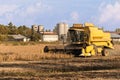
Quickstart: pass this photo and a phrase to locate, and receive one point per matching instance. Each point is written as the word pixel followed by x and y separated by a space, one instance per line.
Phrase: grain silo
pixel 40 28
pixel 65 28
pixel 34 27
pixel 62 29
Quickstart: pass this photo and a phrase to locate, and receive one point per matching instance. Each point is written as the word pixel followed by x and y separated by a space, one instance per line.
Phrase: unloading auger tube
pixel 85 40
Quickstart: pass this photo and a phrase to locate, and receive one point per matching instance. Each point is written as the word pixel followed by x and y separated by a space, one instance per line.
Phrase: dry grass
pixel 34 53
pixel 28 62
pixel 27 53
pixel 117 49
pixel 92 68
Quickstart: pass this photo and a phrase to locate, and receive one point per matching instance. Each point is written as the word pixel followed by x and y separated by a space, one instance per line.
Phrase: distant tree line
pixel 11 29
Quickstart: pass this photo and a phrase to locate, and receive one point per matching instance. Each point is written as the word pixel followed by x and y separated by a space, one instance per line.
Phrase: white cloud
pixel 21 13
pixel 7 9
pixel 36 8
pixel 32 9
pixel 110 12
pixel 74 16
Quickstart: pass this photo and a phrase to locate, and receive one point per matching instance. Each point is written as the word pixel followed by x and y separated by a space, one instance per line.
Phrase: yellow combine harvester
pixel 85 40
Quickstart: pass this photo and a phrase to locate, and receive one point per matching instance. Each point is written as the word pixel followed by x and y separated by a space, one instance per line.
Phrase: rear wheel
pixel 105 52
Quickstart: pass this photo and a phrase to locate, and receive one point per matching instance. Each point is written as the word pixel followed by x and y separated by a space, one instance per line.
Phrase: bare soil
pixel 73 68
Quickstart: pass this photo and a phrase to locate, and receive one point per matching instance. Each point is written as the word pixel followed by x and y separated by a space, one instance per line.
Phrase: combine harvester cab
pixel 85 40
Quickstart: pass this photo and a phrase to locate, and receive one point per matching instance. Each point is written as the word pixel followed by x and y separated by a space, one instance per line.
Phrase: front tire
pixel 105 52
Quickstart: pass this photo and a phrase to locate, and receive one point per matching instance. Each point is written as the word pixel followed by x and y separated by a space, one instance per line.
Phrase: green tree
pixel 24 31
pixel 12 28
pixel 3 29
pixel 3 37
pixel 35 36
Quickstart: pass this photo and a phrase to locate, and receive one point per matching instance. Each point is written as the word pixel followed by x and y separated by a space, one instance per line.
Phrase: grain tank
pixel 85 40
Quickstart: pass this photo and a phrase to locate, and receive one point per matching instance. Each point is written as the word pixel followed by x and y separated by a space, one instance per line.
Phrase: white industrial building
pixel 60 33
pixel 49 37
pixel 115 37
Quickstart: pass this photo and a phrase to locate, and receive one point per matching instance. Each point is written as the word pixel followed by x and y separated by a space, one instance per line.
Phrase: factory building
pixel 60 33
pixel 115 37
pixel 45 36
pixel 49 37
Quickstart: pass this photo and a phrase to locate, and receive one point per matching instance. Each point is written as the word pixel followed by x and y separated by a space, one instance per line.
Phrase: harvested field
pixel 55 66
pixel 27 53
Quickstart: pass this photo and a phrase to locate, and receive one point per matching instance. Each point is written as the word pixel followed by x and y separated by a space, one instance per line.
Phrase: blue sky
pixel 103 13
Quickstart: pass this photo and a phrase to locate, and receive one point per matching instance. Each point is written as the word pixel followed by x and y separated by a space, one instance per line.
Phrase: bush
pixel 15 43
pixel 3 37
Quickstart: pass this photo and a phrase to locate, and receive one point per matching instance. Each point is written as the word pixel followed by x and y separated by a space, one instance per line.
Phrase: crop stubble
pixel 56 66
